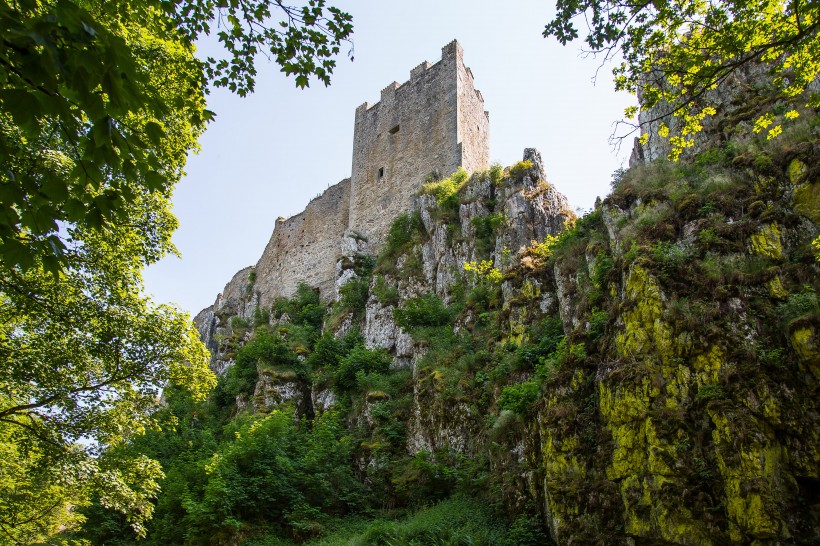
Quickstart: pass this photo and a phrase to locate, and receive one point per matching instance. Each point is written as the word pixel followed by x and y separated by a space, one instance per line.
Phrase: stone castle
pixel 425 127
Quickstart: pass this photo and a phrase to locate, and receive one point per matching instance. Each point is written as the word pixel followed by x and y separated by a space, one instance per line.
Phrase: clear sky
pixel 268 154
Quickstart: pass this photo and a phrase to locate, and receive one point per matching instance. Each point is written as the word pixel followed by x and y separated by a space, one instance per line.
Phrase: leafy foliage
pixel 663 43
pixel 277 471
pixel 304 308
pixel 427 310
pixel 359 361
pixel 100 102
pixel 519 169
pixel 520 398
pixel 405 230
pixel 86 356
pixel 483 271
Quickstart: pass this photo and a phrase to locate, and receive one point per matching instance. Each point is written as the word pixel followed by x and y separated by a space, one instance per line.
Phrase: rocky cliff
pixel 646 374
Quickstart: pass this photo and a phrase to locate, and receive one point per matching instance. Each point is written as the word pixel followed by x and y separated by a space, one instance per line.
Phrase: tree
pixel 673 52
pixel 100 103
pixel 85 357
pixel 78 78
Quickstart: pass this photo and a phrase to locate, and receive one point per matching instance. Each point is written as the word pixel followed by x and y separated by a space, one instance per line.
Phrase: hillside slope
pixel 646 374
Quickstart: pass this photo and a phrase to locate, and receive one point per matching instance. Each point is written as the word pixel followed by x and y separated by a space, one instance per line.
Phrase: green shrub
pixel 603 265
pixel 327 351
pixel 497 174
pixel 265 350
pixel 353 297
pixel 547 336
pixel 521 397
pixel 446 191
pixel 427 310
pixel 406 230
pixel 429 477
pixel 304 307
pixel 526 530
pixel 360 360
pixel 708 392
pixel 386 294
pixel 519 169
pixel 672 257
pixel 239 323
pixel 771 357
pixel 797 305
pixel 617 177
pixel 598 320
pixel 277 472
pixel 363 265
pixel 261 316
pixel 485 229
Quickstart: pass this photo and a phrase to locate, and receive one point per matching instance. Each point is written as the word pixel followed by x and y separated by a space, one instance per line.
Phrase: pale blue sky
pixel 268 154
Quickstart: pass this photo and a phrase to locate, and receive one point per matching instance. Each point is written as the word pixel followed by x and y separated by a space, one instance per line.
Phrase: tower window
pixel 380 173
pixel 394 130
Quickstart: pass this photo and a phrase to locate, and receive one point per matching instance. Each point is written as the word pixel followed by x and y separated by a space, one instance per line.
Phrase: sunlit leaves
pixel 675 52
pixel 304 44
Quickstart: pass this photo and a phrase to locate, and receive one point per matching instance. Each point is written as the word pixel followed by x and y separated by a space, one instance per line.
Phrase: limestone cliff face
pixel 237 301
pixel 645 375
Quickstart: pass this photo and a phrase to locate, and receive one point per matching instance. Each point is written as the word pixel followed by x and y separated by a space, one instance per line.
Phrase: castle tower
pixel 426 127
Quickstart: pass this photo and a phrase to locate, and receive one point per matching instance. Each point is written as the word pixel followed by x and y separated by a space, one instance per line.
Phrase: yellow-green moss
pixel 677 379
pixel 797 171
pixel 749 474
pixel 776 289
pixel 806 344
pixel 644 331
pixel 708 365
pixel 766 241
pixel 279 376
pixel 807 201
pixel 626 402
pixel 648 514
pixel 659 451
pixel 376 396
pixel 629 450
pixel 529 290
pixel 577 380
pixel 519 331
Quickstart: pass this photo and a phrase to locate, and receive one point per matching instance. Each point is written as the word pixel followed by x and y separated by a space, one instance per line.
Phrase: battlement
pixel 449 53
pixel 417 72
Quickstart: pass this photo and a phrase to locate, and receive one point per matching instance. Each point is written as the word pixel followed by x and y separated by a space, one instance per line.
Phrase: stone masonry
pixel 426 127
pixel 305 247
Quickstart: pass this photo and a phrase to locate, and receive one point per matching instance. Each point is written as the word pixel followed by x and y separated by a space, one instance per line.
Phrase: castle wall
pixel 414 133
pixel 305 247
pixel 473 123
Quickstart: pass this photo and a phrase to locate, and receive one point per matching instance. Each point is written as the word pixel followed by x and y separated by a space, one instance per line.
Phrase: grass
pixel 455 521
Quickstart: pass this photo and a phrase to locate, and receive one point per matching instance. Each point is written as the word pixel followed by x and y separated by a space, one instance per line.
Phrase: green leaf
pixel 155 132
pixel 155 181
pixel 23 107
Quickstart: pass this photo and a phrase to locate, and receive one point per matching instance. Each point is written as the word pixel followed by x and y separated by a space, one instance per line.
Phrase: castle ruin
pixel 426 127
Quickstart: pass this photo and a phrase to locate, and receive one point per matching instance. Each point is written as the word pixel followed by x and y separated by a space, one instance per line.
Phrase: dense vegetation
pixel 283 472
pixel 100 104
pixel 682 350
